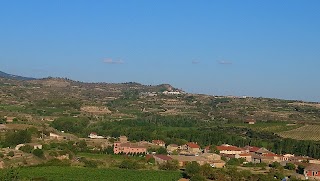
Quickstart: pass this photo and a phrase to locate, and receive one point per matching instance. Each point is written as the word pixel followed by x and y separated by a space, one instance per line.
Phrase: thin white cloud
pixel 111 61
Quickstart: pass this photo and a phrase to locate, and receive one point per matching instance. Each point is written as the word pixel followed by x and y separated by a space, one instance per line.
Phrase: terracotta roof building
pixel 251 149
pixel 229 149
pixel 160 159
pixel 129 148
pixel 193 147
pixel 158 142
pixel 312 170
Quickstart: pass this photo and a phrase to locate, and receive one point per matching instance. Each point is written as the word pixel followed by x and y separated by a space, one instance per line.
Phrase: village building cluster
pixel 192 152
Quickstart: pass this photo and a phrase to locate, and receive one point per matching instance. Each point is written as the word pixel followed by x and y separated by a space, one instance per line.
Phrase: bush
pixel 38 152
pixel 88 163
pixel 169 165
pixel 128 164
pixel 57 162
pixel 198 178
pixel 235 161
pixel 300 169
pixel 276 165
pixel 290 166
pixel 11 154
pixel 250 164
pixel 53 153
pixel 26 148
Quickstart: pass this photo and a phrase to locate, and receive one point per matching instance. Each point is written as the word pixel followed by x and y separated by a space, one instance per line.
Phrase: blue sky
pixel 255 48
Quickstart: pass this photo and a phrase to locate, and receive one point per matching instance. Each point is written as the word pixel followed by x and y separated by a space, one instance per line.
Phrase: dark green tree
pixel 18 137
pixel 192 169
pixel 290 166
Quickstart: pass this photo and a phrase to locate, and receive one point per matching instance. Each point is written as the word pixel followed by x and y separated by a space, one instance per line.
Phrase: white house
pixel 94 135
pixel 55 136
pixel 171 93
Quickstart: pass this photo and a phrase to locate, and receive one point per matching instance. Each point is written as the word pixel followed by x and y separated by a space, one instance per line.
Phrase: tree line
pixel 179 130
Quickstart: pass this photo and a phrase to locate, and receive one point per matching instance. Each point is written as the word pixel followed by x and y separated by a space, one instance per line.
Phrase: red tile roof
pixel 251 148
pixel 313 167
pixel 270 155
pixel 193 145
pixel 228 148
pixel 254 149
pixel 244 154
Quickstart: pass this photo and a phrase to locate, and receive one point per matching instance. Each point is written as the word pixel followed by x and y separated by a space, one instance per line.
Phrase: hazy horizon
pixel 252 48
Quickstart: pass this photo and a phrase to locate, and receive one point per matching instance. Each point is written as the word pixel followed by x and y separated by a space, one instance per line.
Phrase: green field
pixel 87 174
pixel 307 132
pixel 274 127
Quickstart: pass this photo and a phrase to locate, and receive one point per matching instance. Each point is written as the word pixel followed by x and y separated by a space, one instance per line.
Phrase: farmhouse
pixel 270 157
pixel 183 160
pixel 33 145
pixel 217 163
pixel 206 149
pixel 94 135
pixel 172 147
pixel 313 171
pixel 159 143
pixel 286 157
pixel 245 156
pixel 9 119
pixel 229 149
pixel 55 136
pixel 262 151
pixel 160 159
pixel 251 149
pixel 129 148
pixel 193 147
pixel 211 156
pixel 171 93
pixel 250 121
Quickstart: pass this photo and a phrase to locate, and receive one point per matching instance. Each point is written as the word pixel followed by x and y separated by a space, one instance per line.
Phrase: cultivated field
pixel 87 174
pixel 307 132
pixel 275 127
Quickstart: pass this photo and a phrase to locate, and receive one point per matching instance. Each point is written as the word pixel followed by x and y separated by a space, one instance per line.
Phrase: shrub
pixel 26 148
pixel 57 162
pixel 276 165
pixel 128 164
pixel 11 154
pixel 198 178
pixel 169 165
pixel 290 166
pixel 38 152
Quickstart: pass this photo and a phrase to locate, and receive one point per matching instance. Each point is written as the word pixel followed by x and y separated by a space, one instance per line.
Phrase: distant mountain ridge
pixel 15 77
